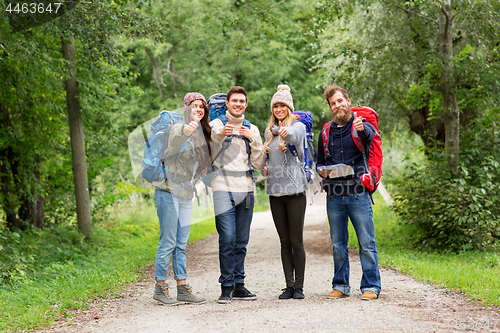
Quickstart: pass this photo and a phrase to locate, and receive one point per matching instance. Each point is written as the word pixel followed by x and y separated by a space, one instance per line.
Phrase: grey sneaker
pixel 161 295
pixel 184 294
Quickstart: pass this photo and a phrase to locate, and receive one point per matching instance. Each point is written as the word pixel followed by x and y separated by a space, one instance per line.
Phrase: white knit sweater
pixel 236 157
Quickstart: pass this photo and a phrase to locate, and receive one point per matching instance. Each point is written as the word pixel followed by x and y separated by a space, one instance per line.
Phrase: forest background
pixel 429 68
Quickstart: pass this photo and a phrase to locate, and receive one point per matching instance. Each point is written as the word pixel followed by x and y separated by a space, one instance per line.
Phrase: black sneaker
pixel 227 294
pixel 287 293
pixel 242 293
pixel 298 293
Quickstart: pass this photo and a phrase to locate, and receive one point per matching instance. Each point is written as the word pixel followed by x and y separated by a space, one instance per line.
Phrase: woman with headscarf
pixel 188 142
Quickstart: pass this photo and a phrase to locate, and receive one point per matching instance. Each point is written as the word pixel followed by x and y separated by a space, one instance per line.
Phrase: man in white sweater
pixel 233 188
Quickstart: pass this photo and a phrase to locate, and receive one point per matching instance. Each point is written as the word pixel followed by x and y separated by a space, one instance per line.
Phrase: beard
pixel 342 115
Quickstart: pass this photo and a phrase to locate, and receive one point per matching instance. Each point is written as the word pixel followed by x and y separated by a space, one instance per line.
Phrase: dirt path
pixel 404 304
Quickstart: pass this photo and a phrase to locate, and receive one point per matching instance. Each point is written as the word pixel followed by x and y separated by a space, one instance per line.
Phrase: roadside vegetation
pixel 64 272
pixel 472 272
pixel 50 278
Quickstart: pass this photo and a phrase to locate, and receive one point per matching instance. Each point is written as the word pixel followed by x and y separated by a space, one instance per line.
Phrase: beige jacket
pixel 235 156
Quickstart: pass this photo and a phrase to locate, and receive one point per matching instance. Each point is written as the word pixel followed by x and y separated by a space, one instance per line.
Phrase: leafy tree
pixel 425 61
pixel 433 65
pixel 33 72
pixel 255 44
pixel 30 107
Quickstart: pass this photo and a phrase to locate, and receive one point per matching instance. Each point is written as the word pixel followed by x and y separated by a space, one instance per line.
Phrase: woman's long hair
pixel 197 137
pixel 287 122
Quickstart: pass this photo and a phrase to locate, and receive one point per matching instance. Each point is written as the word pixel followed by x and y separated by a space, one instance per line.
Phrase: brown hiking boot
pixel 336 294
pixel 369 295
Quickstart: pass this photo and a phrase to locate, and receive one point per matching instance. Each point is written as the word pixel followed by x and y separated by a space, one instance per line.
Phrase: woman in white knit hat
pixel 286 186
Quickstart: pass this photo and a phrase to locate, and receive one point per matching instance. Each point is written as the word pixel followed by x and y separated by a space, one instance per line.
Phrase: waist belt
pixel 180 185
pixel 250 173
pixel 342 182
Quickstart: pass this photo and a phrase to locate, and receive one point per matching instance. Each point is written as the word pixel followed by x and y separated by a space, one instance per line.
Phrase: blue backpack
pixel 153 162
pixel 306 118
pixel 217 106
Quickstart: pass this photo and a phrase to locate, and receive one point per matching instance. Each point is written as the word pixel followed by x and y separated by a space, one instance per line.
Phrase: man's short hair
pixel 331 90
pixel 236 90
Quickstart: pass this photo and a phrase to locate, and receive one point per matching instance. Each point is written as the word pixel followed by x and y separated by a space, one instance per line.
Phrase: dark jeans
pixel 288 215
pixel 232 220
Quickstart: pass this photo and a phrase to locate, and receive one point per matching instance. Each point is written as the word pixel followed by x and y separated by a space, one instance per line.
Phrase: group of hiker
pixel 225 152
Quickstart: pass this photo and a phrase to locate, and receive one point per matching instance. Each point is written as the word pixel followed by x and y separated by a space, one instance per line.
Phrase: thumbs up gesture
pixel 228 129
pixel 358 123
pixel 190 128
pixel 282 131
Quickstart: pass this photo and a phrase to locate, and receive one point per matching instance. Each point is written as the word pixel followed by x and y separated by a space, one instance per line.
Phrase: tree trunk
pixel 431 131
pixel 8 204
pixel 32 208
pixel 451 115
pixel 175 81
pixel 77 141
pixel 155 71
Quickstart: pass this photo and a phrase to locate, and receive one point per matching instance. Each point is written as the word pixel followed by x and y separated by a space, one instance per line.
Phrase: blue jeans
pixel 358 209
pixel 174 214
pixel 232 220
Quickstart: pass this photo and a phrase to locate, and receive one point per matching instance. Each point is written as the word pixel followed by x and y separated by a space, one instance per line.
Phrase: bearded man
pixel 347 198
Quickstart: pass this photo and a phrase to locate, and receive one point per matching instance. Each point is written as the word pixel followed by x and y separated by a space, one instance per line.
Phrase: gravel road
pixel 404 304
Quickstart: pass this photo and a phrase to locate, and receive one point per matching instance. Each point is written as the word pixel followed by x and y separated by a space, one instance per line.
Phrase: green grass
pixel 477 274
pixel 261 201
pixel 122 248
pixel 202 229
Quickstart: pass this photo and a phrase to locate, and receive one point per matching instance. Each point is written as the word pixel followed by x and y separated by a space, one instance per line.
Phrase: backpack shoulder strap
pixel 325 132
pixel 223 118
pixel 360 146
pixel 292 148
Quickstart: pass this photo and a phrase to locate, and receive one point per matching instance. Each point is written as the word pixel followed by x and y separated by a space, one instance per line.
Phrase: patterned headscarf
pixel 191 97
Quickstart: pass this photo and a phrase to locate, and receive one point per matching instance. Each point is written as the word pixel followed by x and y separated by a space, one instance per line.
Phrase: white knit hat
pixel 284 96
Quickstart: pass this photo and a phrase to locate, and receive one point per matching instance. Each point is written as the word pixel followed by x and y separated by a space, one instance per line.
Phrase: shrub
pixel 444 212
pixel 448 212
pixel 457 210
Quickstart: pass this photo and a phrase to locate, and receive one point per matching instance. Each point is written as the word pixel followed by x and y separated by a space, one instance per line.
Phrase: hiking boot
pixel 227 294
pixel 298 293
pixel 287 293
pixel 336 294
pixel 161 295
pixel 242 293
pixel 184 294
pixel 369 295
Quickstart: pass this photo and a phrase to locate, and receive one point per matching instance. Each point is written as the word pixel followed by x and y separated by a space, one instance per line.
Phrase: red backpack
pixel 373 163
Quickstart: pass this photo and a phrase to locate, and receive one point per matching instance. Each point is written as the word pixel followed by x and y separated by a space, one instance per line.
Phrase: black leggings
pixel 288 214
